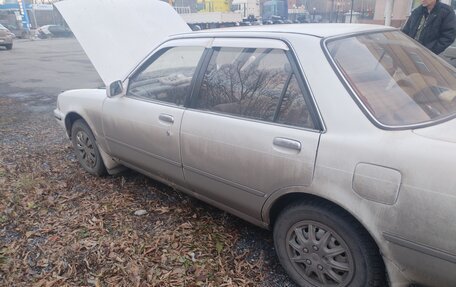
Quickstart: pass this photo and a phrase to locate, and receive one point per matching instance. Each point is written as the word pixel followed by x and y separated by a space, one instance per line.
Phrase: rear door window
pixel 293 107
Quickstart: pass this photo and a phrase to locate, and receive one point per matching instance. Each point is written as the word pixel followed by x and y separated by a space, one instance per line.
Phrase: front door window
pixel 168 78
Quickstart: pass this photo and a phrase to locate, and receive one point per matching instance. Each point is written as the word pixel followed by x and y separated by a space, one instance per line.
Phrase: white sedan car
pixel 339 138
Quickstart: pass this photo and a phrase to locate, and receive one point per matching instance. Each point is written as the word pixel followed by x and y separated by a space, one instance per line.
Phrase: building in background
pixel 396 12
pixel 246 7
pixel 215 5
pixel 274 9
pixel 22 15
pixel 13 16
pixel 400 11
pixel 42 12
pixel 331 10
pixel 184 6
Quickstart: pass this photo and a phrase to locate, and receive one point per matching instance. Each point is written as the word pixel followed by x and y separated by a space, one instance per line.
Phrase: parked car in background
pixel 53 31
pixel 339 138
pixel 6 37
pixel 18 31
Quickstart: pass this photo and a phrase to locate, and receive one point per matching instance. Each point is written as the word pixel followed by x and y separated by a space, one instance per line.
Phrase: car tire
pixel 9 46
pixel 86 149
pixel 320 245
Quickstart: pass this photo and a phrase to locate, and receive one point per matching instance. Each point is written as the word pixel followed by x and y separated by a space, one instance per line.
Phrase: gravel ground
pixel 60 226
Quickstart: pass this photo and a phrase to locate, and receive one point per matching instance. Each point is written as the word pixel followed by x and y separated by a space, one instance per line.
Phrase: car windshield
pixel 399 82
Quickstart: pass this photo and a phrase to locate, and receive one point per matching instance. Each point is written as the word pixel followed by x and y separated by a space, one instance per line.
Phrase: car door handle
pixel 166 118
pixel 287 143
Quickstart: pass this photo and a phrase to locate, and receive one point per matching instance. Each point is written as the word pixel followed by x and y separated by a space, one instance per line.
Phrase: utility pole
pixel 337 12
pixel 351 11
pixel 332 12
pixel 34 16
pixel 388 12
pixel 25 18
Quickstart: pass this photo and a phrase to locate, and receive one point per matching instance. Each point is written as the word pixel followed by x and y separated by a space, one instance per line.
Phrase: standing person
pixel 433 24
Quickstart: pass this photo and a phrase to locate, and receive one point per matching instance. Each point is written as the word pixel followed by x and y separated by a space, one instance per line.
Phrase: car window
pixel 293 108
pixel 245 82
pixel 168 78
pixel 398 81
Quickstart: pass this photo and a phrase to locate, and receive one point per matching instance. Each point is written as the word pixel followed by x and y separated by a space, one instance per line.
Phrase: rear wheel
pixel 322 246
pixel 86 148
pixel 9 46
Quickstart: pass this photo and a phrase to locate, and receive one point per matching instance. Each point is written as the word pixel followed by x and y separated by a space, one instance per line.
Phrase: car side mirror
pixel 115 88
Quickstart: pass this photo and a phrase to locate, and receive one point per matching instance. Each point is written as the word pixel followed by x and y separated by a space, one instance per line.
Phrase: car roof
pixel 317 30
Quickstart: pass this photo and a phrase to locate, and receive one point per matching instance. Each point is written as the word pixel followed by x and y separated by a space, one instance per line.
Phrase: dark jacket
pixel 439 31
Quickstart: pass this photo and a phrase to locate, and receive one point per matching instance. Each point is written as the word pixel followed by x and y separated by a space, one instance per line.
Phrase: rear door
pixel 142 127
pixel 251 128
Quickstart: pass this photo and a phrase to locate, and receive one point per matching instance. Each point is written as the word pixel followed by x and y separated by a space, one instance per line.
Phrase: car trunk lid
pixel 117 34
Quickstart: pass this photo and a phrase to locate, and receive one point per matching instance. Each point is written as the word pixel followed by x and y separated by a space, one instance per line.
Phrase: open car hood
pixel 117 34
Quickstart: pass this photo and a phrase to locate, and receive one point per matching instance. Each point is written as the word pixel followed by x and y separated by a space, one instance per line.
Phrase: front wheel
pixel 9 46
pixel 322 246
pixel 86 148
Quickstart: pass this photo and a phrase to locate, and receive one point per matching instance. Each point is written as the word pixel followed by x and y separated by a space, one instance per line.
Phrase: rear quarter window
pixel 398 82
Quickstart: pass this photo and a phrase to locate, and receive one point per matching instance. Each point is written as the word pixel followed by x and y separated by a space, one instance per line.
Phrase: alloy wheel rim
pixel 86 149
pixel 319 254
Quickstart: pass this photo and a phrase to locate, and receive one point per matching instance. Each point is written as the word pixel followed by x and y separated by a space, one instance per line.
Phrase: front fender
pixel 86 104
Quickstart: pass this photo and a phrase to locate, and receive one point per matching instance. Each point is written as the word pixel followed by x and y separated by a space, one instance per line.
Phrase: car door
pixel 251 128
pixel 142 127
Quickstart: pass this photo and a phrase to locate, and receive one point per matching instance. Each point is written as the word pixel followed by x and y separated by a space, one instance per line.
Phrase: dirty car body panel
pixel 267 121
